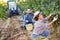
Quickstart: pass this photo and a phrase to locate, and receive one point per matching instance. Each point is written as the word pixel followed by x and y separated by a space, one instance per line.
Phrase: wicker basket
pixel 29 27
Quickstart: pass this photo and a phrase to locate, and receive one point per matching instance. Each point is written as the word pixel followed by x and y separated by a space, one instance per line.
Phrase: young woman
pixel 40 27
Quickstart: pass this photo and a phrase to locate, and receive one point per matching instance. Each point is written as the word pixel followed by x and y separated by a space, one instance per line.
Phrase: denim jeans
pixel 45 33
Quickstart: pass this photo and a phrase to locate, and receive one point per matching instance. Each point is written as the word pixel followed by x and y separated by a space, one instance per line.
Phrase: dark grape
pixel 54 14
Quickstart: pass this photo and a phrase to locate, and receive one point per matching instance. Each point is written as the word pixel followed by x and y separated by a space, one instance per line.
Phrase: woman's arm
pixel 49 24
pixel 49 16
pixel 55 18
pixel 46 18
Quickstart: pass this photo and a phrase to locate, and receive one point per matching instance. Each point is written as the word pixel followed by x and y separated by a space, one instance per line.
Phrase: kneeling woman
pixel 40 27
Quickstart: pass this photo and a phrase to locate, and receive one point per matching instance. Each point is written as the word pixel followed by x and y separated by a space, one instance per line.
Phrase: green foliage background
pixel 45 6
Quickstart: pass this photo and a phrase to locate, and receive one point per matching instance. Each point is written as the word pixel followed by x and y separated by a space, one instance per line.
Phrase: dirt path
pixel 12 28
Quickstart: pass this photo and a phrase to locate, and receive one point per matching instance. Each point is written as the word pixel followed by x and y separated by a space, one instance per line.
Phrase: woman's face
pixel 40 16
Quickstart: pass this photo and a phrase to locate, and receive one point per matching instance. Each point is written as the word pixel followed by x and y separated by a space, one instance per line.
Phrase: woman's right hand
pixel 55 18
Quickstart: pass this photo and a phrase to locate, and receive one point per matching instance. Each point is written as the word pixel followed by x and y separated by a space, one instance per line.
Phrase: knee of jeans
pixel 33 36
pixel 46 32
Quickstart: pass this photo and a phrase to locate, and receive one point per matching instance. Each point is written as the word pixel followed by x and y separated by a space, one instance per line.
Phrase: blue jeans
pixel 45 33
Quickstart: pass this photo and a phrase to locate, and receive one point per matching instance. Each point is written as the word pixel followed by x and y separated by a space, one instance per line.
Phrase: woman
pixel 40 27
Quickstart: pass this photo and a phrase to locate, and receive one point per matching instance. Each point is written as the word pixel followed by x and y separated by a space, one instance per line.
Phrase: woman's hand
pixel 55 18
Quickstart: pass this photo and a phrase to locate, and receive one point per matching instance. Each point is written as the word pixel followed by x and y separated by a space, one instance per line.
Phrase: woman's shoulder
pixel 36 22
